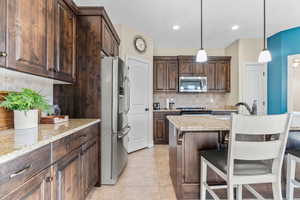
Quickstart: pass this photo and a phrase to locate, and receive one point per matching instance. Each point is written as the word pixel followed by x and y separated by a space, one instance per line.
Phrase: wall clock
pixel 140 44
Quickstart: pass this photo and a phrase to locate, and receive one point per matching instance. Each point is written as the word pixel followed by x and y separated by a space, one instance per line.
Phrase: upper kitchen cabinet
pixel 38 37
pixel 216 69
pixel 165 74
pixel 186 66
pixel 96 20
pixel 26 36
pixel 65 42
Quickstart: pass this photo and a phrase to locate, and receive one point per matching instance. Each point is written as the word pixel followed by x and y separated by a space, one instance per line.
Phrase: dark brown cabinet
pixel 161 126
pixel 66 169
pixel 29 36
pixel 109 44
pixel 38 38
pixel 90 164
pixel 68 177
pixel 37 188
pixel 65 42
pixel 216 69
pixel 165 74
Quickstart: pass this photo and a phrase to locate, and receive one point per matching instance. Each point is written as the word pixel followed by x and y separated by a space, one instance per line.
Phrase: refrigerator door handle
pixel 124 132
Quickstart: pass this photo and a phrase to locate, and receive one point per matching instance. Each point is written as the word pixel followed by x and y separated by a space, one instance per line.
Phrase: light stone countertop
pixel 14 143
pixel 205 123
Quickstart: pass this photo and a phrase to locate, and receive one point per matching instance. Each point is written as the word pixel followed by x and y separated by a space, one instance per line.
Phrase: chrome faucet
pixel 253 110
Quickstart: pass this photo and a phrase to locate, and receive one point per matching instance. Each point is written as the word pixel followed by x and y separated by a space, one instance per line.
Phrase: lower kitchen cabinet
pixel 66 169
pixel 37 188
pixel 67 176
pixel 161 126
pixel 90 164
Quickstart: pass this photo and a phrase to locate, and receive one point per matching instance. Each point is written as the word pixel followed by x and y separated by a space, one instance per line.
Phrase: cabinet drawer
pixel 16 172
pixel 67 144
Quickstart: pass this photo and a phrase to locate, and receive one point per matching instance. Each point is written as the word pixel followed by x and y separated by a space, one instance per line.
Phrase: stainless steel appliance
pixel 192 84
pixel 156 106
pixel 115 105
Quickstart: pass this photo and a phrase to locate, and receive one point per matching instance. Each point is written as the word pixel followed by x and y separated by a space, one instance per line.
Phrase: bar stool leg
pixel 230 191
pixel 291 168
pixel 203 179
pixel 277 190
pixel 239 191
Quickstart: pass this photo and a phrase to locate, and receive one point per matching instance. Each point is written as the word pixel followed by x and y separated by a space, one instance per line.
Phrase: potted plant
pixel 26 105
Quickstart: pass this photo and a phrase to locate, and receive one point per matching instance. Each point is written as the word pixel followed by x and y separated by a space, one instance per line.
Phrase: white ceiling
pixel 155 18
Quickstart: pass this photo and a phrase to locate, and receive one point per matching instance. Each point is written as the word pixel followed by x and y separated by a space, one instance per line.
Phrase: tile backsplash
pixel 192 100
pixel 15 81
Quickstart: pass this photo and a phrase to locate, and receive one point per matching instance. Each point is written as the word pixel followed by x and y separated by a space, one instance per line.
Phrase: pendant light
pixel 265 55
pixel 201 55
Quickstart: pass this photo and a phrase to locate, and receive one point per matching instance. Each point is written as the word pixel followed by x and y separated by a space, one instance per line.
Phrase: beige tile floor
pixel 145 178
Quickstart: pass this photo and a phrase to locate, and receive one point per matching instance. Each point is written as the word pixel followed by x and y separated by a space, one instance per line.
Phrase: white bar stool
pixel 293 157
pixel 247 161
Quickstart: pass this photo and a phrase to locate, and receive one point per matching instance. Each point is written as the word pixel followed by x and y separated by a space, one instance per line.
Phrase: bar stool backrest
pixel 273 149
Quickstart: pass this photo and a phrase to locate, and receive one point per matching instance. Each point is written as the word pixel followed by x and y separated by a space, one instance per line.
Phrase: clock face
pixel 140 44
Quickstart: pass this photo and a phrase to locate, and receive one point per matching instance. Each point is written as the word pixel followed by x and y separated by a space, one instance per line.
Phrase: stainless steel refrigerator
pixel 115 105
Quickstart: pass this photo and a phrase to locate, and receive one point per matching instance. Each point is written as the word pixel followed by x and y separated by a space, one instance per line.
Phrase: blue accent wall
pixel 281 45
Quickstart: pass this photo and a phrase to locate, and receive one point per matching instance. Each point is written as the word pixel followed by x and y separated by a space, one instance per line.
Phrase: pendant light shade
pixel 201 55
pixel 265 55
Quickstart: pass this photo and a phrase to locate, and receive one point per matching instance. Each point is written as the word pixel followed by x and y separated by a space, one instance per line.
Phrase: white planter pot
pixel 26 119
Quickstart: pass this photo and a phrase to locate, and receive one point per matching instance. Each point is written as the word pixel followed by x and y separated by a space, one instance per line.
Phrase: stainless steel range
pixel 194 111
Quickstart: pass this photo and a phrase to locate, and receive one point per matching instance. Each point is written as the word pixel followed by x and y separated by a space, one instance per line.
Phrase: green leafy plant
pixel 25 100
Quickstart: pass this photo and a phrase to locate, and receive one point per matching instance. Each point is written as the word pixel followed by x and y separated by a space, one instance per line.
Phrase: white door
pixel 256 86
pixel 139 104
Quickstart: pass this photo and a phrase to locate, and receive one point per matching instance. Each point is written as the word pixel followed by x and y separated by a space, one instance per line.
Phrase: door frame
pixel 150 100
pixel 290 69
pixel 243 83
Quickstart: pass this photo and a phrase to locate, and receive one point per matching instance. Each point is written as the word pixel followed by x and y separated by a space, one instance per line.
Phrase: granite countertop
pixel 205 123
pixel 167 110
pixel 223 108
pixel 14 143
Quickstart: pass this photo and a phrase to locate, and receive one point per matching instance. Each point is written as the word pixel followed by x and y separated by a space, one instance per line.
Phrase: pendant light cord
pixel 265 22
pixel 201 8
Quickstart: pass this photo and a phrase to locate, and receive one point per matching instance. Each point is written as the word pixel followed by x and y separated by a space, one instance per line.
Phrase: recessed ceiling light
pixel 235 27
pixel 176 27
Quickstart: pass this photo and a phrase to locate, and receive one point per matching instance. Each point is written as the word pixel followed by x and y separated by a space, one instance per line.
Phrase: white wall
pixel 243 51
pixel 15 81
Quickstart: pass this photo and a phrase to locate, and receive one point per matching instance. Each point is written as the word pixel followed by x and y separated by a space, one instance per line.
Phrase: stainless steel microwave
pixel 192 84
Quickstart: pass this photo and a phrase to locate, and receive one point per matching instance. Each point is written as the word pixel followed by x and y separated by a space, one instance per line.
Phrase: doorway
pixel 139 104
pixel 255 86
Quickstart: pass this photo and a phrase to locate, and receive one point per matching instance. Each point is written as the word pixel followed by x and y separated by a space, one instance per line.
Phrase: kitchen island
pixel 188 135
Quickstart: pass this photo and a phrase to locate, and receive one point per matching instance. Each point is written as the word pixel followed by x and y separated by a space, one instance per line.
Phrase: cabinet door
pixel 90 166
pixel 65 59
pixel 160 135
pixel 160 76
pixel 68 177
pixel 3 32
pixel 172 76
pixel 210 69
pixel 106 39
pixel 36 188
pixel 221 76
pixel 186 67
pixel 198 69
pixel 30 36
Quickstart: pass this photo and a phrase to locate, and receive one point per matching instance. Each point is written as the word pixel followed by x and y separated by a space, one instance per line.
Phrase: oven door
pixel 192 84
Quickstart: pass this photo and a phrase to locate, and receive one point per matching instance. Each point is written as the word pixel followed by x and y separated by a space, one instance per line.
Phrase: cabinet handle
pixel 3 54
pixel 20 171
